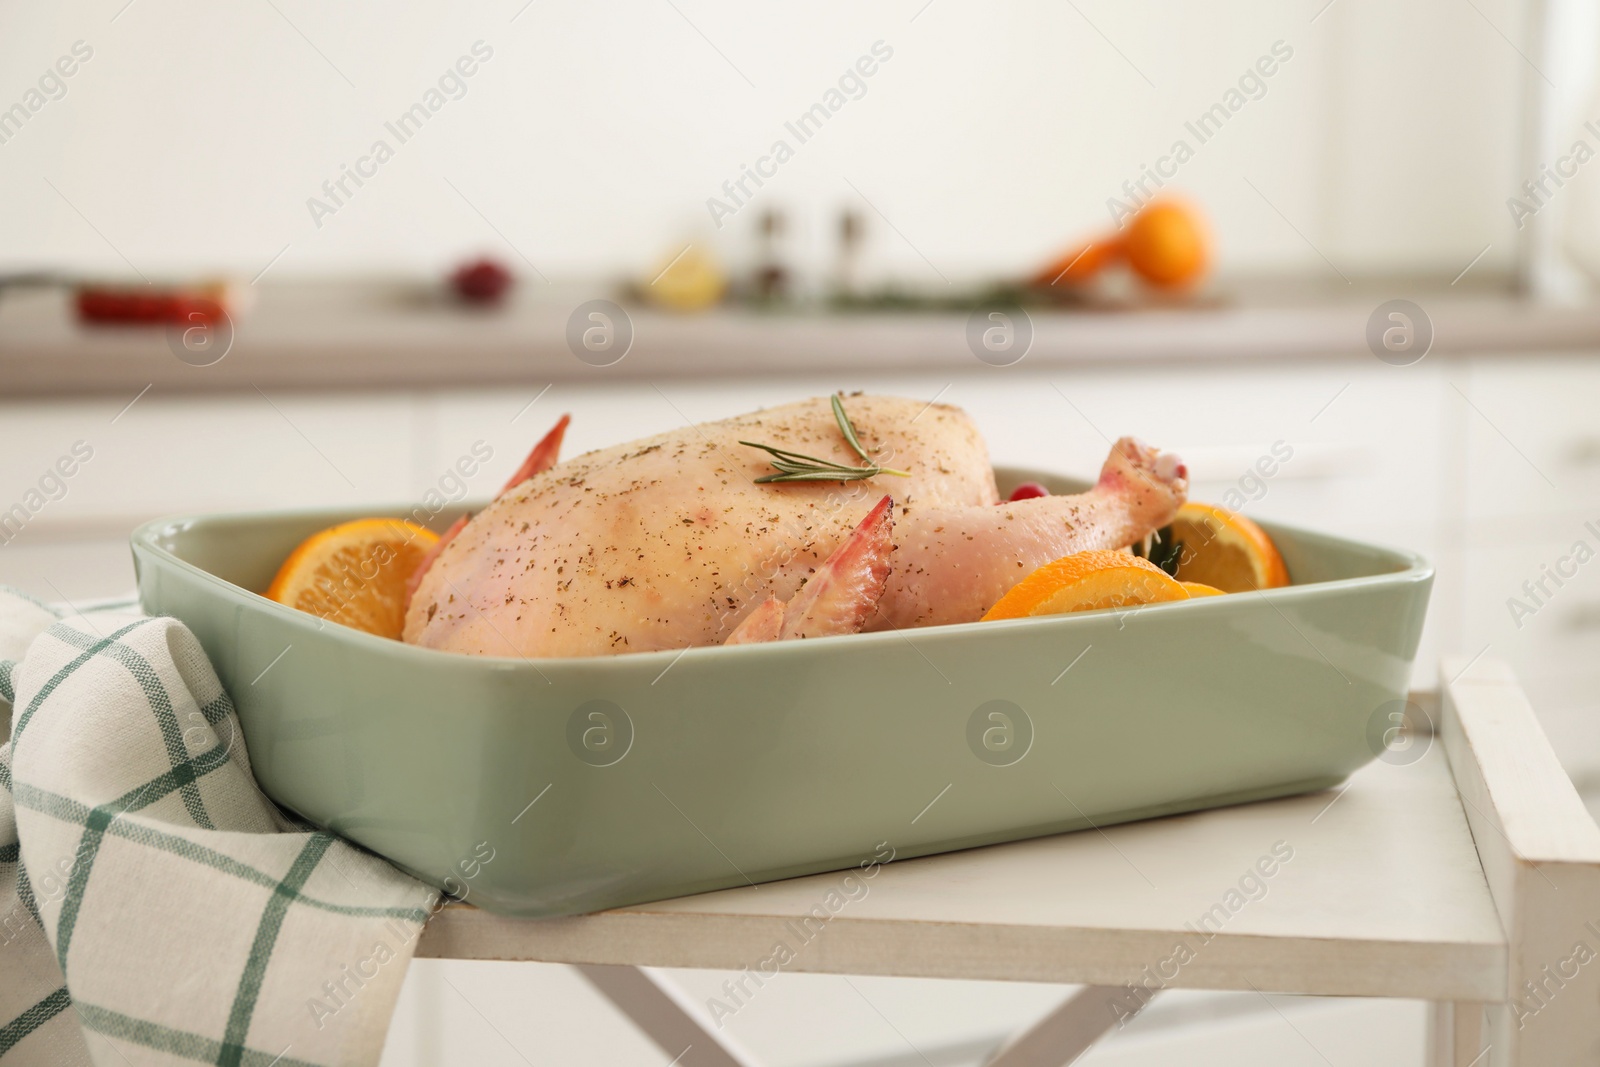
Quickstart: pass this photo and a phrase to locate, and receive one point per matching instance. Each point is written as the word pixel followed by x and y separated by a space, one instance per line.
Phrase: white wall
pixel 592 138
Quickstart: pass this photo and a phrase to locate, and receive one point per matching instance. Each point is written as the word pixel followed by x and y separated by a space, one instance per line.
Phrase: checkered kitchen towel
pixel 155 907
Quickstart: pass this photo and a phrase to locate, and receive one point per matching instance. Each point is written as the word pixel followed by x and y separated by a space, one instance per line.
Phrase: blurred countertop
pixel 311 336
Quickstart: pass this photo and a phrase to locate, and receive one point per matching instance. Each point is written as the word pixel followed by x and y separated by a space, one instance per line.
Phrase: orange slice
pixel 1087 581
pixel 1225 550
pixel 1196 589
pixel 355 573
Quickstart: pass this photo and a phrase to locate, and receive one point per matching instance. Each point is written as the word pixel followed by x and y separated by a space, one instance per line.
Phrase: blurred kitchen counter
pixel 308 336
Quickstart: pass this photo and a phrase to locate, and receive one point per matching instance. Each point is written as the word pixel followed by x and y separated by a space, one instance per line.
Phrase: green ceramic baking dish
pixel 549 787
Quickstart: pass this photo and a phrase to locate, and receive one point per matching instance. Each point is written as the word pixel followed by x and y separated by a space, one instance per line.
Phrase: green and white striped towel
pixel 155 907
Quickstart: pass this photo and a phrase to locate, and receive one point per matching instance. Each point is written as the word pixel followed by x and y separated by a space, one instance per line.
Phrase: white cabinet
pixel 1532 437
pixel 241 452
pixel 165 455
pixel 1529 536
pixel 1546 626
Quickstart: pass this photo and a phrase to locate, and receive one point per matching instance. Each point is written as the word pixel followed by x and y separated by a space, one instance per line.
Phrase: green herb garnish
pixel 1162 549
pixel 799 467
pixel 847 429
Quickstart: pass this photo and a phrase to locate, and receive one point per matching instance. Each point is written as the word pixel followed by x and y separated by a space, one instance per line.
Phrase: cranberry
pixel 1027 491
pixel 482 281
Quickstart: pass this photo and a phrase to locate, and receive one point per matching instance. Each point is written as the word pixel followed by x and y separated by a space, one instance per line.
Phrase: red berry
pixel 1027 491
pixel 481 282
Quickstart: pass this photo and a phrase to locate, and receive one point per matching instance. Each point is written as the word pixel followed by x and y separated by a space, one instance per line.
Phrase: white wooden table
pixel 1464 871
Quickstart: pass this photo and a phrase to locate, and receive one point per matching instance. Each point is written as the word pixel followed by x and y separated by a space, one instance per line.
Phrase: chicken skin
pixel 670 542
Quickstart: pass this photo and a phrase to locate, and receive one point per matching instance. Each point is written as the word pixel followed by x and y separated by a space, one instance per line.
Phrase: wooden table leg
pixel 1069 1031
pixel 665 1015
pixel 1540 852
pixel 1457 1035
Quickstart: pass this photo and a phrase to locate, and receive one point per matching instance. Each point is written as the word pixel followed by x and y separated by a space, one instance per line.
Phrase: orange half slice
pixel 1087 581
pixel 355 573
pixel 1225 550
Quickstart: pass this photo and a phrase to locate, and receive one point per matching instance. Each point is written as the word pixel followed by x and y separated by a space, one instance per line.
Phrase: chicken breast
pixel 669 541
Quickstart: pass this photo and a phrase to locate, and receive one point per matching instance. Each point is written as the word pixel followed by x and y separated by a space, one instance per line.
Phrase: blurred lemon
pixel 691 280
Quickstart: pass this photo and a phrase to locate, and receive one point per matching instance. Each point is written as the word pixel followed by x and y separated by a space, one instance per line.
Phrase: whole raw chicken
pixel 669 541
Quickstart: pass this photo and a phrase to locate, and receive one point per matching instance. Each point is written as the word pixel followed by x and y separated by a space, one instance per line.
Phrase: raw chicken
pixel 542 458
pixel 669 541
pixel 839 597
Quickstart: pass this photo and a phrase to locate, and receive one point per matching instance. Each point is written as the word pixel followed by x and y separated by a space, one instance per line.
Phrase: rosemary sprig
pixel 1162 549
pixel 847 429
pixel 799 467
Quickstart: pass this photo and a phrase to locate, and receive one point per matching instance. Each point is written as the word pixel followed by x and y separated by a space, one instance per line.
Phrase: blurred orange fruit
pixel 354 573
pixel 1167 245
pixel 1087 581
pixel 1225 550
